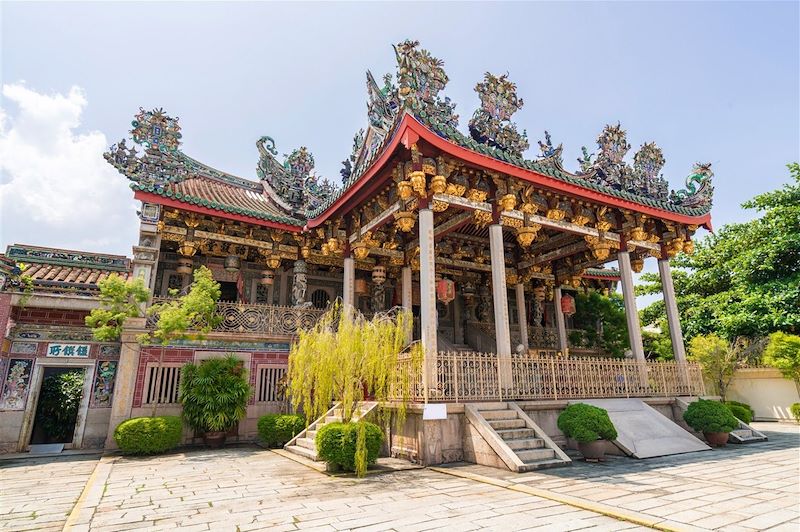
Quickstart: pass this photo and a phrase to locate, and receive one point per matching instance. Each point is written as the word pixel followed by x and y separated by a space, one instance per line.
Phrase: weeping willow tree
pixel 346 357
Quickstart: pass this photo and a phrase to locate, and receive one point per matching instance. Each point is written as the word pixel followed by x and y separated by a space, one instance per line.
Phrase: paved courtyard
pixel 248 488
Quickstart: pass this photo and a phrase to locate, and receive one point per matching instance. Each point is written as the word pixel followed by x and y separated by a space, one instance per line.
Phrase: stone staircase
pixel 304 444
pixel 745 434
pixel 514 437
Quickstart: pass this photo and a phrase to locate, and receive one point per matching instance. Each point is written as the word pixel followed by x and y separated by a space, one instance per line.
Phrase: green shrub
pixel 795 410
pixel 276 429
pixel 709 416
pixel 741 413
pixel 337 442
pixel 743 405
pixel 214 394
pixel 149 435
pixel 586 423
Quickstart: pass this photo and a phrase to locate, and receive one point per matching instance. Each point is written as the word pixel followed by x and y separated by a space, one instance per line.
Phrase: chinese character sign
pixel 68 350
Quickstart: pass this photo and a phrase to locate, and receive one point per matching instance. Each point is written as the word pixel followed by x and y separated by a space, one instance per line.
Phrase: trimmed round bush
pixel 149 435
pixel 741 413
pixel 745 406
pixel 586 423
pixel 795 410
pixel 336 443
pixel 277 429
pixel 709 416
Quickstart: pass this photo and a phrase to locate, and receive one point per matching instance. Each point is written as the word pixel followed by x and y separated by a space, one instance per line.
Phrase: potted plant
pixel 711 418
pixel 590 426
pixel 214 396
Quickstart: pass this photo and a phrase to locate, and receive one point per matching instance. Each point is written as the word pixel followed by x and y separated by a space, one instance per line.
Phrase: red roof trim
pixel 168 202
pixel 410 123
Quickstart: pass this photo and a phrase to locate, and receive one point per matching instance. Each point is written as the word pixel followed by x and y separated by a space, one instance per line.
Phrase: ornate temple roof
pixel 62 267
pixel 290 193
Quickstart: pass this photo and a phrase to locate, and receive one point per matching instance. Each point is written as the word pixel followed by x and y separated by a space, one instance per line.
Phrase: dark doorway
pixel 57 408
pixel 228 291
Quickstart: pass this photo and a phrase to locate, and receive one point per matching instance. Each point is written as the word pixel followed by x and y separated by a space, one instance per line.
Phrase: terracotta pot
pixel 593 450
pixel 716 439
pixel 215 440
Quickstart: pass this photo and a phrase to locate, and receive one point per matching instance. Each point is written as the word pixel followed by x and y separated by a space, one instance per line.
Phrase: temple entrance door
pixel 228 291
pixel 59 403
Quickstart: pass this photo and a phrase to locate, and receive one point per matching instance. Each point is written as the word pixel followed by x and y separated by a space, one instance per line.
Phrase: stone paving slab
pixel 745 487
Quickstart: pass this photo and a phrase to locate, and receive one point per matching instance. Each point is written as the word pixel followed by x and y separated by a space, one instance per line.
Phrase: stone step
pixel 525 444
pixel 503 424
pixel 542 464
pixel 743 433
pixel 532 455
pixel 332 419
pixel 491 415
pixel 490 406
pixel 516 434
pixel 311 434
pixel 302 451
pixel 308 443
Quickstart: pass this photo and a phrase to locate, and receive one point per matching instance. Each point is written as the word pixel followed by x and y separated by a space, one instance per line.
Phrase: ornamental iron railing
pixel 467 377
pixel 269 320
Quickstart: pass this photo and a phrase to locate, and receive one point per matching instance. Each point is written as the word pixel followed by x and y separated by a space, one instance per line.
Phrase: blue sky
pixel 715 82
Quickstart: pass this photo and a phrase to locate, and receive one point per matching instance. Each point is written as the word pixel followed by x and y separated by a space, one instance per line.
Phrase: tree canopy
pixel 603 320
pixel 119 300
pixel 743 280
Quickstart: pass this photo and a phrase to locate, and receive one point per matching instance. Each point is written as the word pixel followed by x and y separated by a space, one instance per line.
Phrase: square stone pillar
pixel 406 295
pixel 125 380
pixel 561 326
pixel 349 280
pixel 427 299
pixel 629 297
pixel 502 328
pixel 673 318
pixel 522 316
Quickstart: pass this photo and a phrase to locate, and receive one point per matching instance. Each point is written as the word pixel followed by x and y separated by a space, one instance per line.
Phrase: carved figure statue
pixel 299 283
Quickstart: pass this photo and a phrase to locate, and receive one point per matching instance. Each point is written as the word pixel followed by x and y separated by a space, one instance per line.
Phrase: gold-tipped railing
pixel 466 377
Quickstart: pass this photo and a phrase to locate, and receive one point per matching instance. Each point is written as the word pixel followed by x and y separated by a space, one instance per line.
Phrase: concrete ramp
pixel 643 432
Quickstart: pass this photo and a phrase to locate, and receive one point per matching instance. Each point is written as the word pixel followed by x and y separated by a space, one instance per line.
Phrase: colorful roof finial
pixel 421 77
pixel 699 189
pixel 155 129
pixel 491 124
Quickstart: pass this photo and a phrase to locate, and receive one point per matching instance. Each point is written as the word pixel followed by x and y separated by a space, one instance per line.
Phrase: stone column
pixel 125 380
pixel 349 295
pixel 427 298
pixel 629 297
pixel 673 319
pixel 561 325
pixel 407 296
pixel 522 316
pixel 502 329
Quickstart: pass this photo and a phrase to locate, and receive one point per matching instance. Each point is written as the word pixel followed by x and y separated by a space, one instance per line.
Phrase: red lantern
pixel 446 290
pixel 568 304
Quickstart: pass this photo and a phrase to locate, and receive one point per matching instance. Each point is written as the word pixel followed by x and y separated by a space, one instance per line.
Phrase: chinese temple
pixel 483 238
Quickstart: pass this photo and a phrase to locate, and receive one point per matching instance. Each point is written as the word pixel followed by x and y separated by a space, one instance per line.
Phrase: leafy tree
pixel 119 300
pixel 657 346
pixel 783 353
pixel 745 279
pixel 720 359
pixel 190 316
pixel 603 320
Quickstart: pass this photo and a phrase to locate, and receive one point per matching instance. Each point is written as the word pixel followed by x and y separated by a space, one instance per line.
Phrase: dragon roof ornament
pixel 160 162
pixel 491 124
pixel 293 181
pixel 421 77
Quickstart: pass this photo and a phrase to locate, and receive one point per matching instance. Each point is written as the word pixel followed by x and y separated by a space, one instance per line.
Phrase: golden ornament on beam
pixel 273 261
pixel 688 247
pixel 528 208
pixel 580 219
pixel 508 202
pixel 438 184
pixel 439 206
pixel 639 234
pixel 477 195
pixel 404 189
pixel 527 234
pixel 305 251
pixel 637 264
pixel 601 248
pixel 333 244
pixel 188 248
pixel 454 189
pixel 418 182
pixel 360 251
pixel 556 214
pixel 602 225
pixel 405 220
pixel 482 218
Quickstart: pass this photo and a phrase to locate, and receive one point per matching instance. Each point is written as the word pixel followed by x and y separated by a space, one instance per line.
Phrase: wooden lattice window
pixel 267 389
pixel 161 383
pixel 320 299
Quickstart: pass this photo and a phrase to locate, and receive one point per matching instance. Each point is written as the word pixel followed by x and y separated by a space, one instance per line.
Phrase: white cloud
pixel 55 187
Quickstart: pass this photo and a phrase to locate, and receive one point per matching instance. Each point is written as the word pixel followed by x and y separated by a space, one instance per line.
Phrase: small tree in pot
pixel 214 395
pixel 590 426
pixel 711 418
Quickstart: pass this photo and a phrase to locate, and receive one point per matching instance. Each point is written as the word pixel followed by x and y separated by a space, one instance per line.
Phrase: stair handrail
pixel 303 432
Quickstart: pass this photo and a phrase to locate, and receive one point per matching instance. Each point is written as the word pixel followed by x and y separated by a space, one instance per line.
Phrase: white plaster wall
pixel 766 391
pixel 10 425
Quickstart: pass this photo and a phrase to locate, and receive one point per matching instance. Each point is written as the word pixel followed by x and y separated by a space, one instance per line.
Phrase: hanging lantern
pixel 232 263
pixel 360 286
pixel 184 266
pixel 305 251
pixel 568 304
pixel 379 275
pixel 446 290
pixel 267 277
